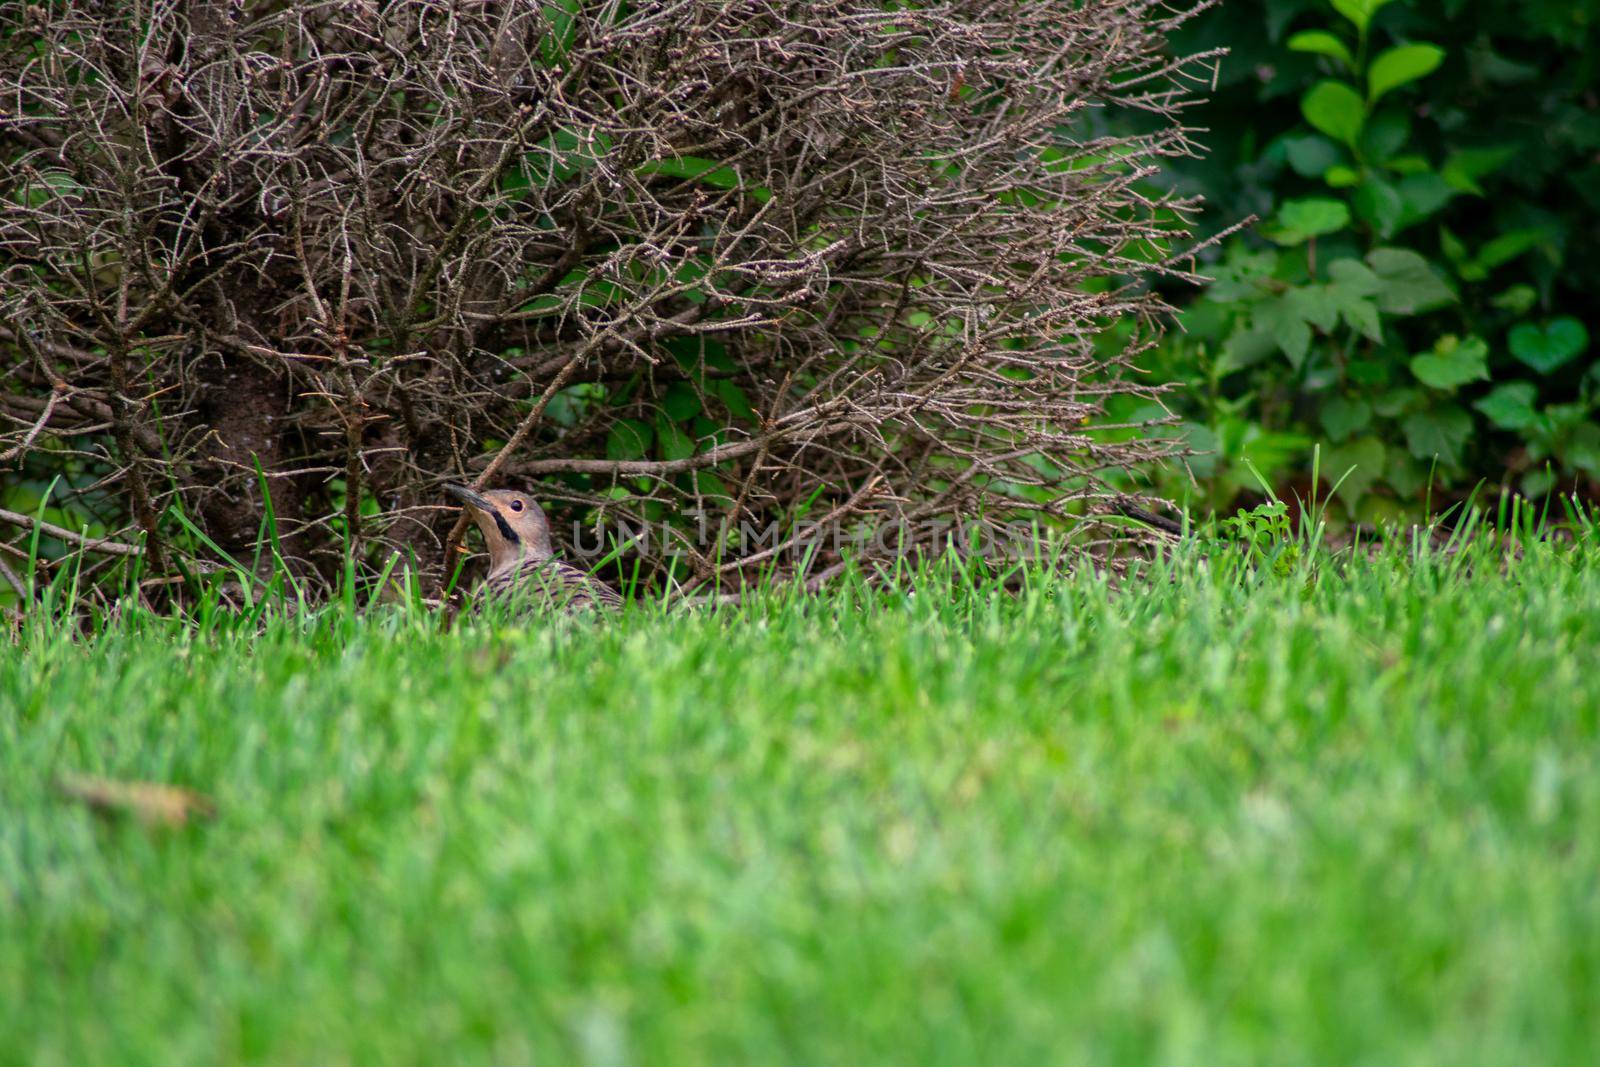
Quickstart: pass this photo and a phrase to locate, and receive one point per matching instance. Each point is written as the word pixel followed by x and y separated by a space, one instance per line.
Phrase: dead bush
pixel 701 266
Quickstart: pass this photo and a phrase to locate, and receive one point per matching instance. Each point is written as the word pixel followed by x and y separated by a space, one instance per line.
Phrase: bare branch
pixel 285 267
pixel 102 544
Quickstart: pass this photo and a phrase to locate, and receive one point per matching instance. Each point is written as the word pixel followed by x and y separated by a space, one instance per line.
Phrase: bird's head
pixel 514 527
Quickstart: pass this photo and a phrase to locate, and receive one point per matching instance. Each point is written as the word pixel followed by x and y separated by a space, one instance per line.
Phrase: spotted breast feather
pixel 552 583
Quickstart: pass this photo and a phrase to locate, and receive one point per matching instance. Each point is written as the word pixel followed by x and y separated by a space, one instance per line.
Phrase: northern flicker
pixel 523 568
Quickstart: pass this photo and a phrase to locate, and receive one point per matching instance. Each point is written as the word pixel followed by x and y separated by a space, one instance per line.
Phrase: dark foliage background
pixel 1472 184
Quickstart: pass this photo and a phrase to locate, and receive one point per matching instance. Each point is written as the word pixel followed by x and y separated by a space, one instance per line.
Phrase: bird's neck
pixel 507 557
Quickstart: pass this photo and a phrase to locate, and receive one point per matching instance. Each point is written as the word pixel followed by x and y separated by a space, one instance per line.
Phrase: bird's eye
pixel 516 505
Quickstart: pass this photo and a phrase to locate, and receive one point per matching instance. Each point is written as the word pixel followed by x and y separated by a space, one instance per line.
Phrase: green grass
pixel 1351 815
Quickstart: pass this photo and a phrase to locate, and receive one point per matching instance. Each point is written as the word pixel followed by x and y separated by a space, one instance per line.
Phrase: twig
pixel 14 580
pixel 56 396
pixel 104 544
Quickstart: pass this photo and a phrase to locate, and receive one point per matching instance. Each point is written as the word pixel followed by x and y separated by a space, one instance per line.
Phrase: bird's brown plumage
pixel 523 568
pixel 552 582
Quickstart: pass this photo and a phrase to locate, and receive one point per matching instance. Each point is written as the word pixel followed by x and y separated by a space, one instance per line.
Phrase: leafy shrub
pixel 1414 298
pixel 296 265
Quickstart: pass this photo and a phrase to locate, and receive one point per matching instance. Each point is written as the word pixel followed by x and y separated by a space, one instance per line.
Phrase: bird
pixel 523 568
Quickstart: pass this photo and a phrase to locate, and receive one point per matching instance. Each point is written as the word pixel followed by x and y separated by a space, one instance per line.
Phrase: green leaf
pixel 1322 43
pixel 1270 451
pixel 1410 163
pixel 1404 474
pixel 1310 154
pixel 1548 347
pixel 1538 482
pixel 1359 12
pixel 708 484
pixel 1206 320
pixel 1355 276
pixel 1315 305
pixel 1204 443
pixel 1300 220
pixel 671 441
pixel 1393 403
pixel 1379 205
pixel 1582 449
pixel 1510 406
pixel 681 403
pixel 1489 66
pixel 1243 275
pixel 1442 432
pixel 737 403
pixel 1341 176
pixel 1463 169
pixel 1496 253
pixel 629 439
pixel 1336 109
pixel 1563 419
pixel 40 188
pixel 562 155
pixel 1410 285
pixel 562 30
pixel 1422 195
pixel 1508 246
pixel 1452 363
pixel 1402 66
pixel 1455 250
pixel 1286 324
pixel 1244 349
pixel 1519 299
pixel 1351 290
pixel 1342 416
pixel 706 172
pixel 1384 135
pixel 1354 468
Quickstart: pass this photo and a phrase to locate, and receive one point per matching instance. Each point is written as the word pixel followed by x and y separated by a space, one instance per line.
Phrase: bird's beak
pixel 469 498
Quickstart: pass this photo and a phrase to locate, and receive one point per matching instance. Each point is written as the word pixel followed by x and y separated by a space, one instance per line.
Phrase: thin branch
pixel 103 544
pixel 14 581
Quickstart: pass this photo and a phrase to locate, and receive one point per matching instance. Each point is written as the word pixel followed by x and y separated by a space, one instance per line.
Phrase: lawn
pixel 1346 815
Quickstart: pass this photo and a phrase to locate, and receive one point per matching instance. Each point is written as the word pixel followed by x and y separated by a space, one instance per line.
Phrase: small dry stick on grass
pixel 151 803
